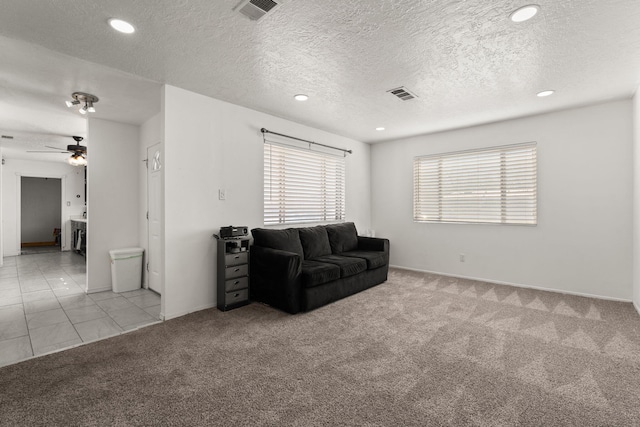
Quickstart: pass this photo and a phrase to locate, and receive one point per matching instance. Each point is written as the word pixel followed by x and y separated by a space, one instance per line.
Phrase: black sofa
pixel 299 269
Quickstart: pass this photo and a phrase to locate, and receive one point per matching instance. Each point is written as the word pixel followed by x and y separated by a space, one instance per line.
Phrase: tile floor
pixel 43 306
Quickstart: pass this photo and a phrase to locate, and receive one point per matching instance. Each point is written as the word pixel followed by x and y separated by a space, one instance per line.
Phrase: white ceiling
pixel 466 61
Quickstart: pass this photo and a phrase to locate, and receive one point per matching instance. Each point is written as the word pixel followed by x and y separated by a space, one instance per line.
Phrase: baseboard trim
pixel 95 291
pixel 636 306
pixel 36 244
pixel 518 285
pixel 184 313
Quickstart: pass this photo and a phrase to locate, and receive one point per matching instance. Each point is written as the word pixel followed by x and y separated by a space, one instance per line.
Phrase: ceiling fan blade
pixel 56 152
pixel 54 148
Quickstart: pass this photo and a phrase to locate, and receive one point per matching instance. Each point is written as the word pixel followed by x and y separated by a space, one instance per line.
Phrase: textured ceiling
pixel 466 61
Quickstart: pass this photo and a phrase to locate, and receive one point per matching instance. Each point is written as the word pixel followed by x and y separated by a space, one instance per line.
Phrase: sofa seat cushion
pixel 374 259
pixel 316 273
pixel 315 241
pixel 349 266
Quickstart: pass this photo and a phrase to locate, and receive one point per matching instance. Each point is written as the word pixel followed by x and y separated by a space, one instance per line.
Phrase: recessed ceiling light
pixel 380 128
pixel 122 26
pixel 546 93
pixel 300 97
pixel 525 13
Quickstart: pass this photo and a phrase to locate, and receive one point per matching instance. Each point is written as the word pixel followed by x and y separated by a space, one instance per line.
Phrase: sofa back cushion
pixel 315 241
pixel 284 240
pixel 342 237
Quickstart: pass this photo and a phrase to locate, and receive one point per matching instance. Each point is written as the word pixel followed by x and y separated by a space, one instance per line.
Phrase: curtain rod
pixel 263 130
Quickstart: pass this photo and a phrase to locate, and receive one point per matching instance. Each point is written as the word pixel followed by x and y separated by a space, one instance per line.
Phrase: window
pixel 495 185
pixel 301 185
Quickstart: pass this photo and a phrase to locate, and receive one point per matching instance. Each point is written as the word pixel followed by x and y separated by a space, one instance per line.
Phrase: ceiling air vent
pixel 256 9
pixel 402 93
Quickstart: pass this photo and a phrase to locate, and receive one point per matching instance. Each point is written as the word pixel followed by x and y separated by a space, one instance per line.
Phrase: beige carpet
pixel 419 350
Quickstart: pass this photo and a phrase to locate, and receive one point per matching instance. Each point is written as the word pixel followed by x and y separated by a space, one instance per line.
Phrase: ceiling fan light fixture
pixel 91 108
pixel 71 103
pixel 83 110
pixel 77 159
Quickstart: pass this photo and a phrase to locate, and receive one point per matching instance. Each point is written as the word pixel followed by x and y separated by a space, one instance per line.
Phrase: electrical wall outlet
pixel 461 257
pixel 222 194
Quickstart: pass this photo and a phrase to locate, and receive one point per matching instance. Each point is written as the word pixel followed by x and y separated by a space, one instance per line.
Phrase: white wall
pixel 150 134
pixel 582 243
pixel 41 201
pixel 11 173
pixel 636 199
pixel 1 210
pixel 211 145
pixel 113 196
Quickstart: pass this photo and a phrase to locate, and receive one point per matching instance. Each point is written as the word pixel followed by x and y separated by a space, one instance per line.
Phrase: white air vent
pixel 256 9
pixel 402 93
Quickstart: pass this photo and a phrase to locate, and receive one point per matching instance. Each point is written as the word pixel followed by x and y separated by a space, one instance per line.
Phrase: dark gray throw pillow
pixel 284 240
pixel 342 237
pixel 315 241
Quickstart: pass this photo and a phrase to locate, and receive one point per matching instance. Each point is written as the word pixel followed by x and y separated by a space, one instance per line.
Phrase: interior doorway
pixel 40 215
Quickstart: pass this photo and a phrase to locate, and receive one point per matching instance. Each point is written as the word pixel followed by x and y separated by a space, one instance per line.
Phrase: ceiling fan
pixel 78 152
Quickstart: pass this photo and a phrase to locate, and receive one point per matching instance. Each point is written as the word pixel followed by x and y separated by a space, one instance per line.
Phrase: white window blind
pixel 495 185
pixel 301 185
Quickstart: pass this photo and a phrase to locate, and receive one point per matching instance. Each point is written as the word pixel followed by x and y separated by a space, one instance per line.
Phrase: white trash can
pixel 126 269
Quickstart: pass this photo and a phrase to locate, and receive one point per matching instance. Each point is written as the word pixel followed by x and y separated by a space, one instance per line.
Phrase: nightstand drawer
pixel 236 271
pixel 236 259
pixel 235 284
pixel 237 296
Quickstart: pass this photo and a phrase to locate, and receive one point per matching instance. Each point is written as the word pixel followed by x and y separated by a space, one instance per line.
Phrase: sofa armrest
pixel 373 244
pixel 276 278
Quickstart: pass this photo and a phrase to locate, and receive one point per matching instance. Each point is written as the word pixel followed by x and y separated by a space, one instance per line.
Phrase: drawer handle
pixel 237 269
pixel 236 295
pixel 237 257
pixel 236 282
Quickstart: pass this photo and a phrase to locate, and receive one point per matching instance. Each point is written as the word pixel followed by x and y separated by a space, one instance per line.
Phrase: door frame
pixel 63 207
pixel 150 149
